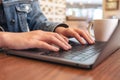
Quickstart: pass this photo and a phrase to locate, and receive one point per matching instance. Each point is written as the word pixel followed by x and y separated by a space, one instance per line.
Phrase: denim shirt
pixel 3 22
pixel 25 15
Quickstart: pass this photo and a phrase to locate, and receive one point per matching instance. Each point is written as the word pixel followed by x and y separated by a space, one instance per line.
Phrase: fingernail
pixel 83 42
pixel 67 47
pixel 57 49
pixel 93 41
pixel 70 46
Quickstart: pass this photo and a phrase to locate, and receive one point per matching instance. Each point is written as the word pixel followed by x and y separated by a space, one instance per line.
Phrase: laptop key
pixel 70 56
pixel 79 53
pixel 76 58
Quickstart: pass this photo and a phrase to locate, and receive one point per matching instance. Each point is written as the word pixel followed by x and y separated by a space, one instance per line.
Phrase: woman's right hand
pixel 34 39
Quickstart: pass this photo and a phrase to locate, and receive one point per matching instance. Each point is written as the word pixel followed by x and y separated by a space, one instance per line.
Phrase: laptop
pixel 83 56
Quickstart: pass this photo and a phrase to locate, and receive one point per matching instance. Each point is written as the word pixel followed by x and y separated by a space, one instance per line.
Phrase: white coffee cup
pixel 102 29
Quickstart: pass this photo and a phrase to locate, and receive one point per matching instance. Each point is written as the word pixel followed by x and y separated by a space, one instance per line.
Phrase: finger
pixel 62 38
pixel 65 38
pixel 78 37
pixel 85 36
pixel 44 45
pixel 59 43
pixel 90 36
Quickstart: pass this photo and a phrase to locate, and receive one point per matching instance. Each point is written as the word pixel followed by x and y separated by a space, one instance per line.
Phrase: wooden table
pixel 17 68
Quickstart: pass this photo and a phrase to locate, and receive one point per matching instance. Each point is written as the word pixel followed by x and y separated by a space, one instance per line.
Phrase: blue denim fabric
pixel 25 15
pixel 3 22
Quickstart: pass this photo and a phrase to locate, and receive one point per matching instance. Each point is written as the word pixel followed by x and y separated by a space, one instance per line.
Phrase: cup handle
pixel 90 29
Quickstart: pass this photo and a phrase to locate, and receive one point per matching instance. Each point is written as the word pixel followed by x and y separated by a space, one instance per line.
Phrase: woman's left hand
pixel 78 33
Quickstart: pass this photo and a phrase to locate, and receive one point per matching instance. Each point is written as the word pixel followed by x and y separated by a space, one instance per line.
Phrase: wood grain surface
pixel 17 68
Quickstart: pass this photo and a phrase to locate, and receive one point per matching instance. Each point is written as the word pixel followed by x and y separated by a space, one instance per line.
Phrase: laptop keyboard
pixel 78 52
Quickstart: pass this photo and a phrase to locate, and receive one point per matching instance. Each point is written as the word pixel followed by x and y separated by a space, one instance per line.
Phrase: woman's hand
pixel 79 34
pixel 34 39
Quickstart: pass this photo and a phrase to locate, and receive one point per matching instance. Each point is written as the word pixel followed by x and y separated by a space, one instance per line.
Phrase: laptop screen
pixel 112 45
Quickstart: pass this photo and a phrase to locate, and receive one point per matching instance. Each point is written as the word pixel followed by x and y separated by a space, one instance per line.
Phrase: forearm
pixel 1 39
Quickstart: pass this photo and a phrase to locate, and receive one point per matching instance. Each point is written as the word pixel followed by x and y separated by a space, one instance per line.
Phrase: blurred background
pixel 80 12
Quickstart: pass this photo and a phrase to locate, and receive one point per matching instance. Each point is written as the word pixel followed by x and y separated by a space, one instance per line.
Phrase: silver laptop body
pixel 83 56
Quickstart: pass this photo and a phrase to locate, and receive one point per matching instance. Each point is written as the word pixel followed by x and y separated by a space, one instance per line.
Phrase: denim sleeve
pixel 37 20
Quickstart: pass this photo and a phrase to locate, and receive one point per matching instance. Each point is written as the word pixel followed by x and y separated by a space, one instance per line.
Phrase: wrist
pixel 60 30
pixel 2 34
